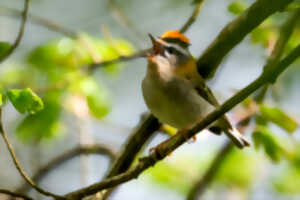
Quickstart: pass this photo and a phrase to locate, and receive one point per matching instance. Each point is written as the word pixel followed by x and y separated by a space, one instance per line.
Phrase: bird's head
pixel 172 46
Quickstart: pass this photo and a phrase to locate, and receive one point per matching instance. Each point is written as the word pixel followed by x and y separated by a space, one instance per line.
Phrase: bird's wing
pixel 203 90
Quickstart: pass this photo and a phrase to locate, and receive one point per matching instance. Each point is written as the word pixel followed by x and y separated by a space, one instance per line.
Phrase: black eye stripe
pixel 173 50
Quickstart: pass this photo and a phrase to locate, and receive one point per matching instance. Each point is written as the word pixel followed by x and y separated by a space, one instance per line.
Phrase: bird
pixel 176 93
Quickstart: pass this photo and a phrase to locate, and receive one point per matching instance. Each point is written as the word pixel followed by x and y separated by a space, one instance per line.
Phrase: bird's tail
pixel 236 137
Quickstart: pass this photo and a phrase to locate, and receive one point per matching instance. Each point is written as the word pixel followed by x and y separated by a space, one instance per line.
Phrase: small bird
pixel 176 93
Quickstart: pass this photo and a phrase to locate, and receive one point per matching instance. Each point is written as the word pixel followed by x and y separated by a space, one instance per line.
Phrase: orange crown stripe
pixel 175 35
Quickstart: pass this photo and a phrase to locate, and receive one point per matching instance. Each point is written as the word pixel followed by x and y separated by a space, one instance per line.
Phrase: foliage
pixel 25 100
pixel 263 137
pixel 238 169
pixel 178 173
pixel 4 46
pixel 56 70
pixel 279 117
pixel 45 124
pixel 181 173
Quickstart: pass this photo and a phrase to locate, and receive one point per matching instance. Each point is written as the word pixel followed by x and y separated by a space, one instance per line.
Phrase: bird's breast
pixel 174 101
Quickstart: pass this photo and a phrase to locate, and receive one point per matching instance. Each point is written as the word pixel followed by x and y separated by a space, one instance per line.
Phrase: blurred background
pixel 103 107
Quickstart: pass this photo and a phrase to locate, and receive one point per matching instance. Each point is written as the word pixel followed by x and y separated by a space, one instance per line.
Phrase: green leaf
pixel 278 117
pixel 25 100
pixel 44 125
pixel 1 100
pixel 106 50
pixel 237 7
pixel 263 137
pixel 179 174
pixel 4 46
pixel 263 35
pixel 97 96
pixel 288 181
pixel 238 169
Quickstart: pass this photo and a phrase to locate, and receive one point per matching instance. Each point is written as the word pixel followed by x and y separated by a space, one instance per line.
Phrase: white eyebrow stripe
pixel 177 47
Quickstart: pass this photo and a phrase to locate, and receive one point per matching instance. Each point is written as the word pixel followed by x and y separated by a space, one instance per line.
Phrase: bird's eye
pixel 170 50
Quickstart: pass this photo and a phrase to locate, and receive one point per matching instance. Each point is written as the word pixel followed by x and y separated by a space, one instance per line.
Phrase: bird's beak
pixel 157 47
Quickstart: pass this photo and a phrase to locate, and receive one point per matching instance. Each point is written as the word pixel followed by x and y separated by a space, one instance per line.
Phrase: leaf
pixel 238 169
pixel 263 137
pixel 1 100
pixel 44 125
pixel 25 100
pixel 237 7
pixel 263 35
pixel 105 50
pixel 179 173
pixel 4 47
pixel 278 117
pixel 97 97
pixel 288 181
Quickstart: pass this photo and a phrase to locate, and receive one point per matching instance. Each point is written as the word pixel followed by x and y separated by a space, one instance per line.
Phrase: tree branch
pixel 142 53
pixel 134 144
pixel 50 25
pixel 19 168
pixel 15 194
pixel 285 33
pixel 166 147
pixel 147 127
pixel 61 159
pixel 192 18
pixel 234 32
pixel 20 34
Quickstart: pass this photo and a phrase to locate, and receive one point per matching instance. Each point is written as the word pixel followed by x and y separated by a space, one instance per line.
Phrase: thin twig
pixel 50 25
pixel 18 166
pixel 20 34
pixel 139 54
pixel 192 18
pixel 149 126
pixel 285 33
pixel 42 172
pixel 143 132
pixel 142 53
pixel 124 20
pixel 166 147
pixel 207 178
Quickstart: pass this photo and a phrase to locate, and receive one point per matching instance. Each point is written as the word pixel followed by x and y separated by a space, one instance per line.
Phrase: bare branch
pixel 20 34
pixel 285 33
pixel 15 194
pixel 166 147
pixel 98 149
pixel 124 20
pixel 142 53
pixel 136 55
pixel 192 18
pixel 50 25
pixel 19 168
pixel 234 32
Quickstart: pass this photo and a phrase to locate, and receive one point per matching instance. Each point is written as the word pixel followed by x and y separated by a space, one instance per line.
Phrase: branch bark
pixel 63 158
pixel 234 32
pixel 50 25
pixel 15 194
pixel 19 168
pixel 20 34
pixel 166 147
pixel 142 53
pixel 192 18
